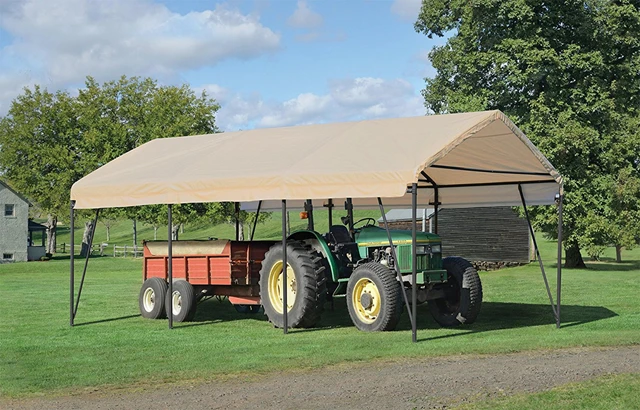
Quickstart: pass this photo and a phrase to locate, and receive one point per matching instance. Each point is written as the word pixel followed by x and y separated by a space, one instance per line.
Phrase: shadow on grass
pixel 609 265
pixel 500 316
pixel 113 319
pixel 493 316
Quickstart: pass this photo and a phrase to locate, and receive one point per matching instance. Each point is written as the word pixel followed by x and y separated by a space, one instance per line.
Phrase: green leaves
pixel 568 73
pixel 49 141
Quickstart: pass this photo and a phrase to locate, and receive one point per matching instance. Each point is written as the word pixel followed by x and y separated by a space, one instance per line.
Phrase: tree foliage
pixel 50 140
pixel 568 73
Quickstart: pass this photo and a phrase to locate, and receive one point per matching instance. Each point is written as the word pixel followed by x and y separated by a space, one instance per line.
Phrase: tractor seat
pixel 340 233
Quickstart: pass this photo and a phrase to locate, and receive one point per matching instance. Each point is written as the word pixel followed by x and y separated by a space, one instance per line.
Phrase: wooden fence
pixel 104 249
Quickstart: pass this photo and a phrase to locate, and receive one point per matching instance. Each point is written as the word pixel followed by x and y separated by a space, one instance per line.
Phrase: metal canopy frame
pixel 413 190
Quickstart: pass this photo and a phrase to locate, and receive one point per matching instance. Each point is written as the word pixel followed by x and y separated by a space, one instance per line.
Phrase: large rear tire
pixel 184 301
pixel 374 298
pixel 151 299
pixel 463 294
pixel 305 287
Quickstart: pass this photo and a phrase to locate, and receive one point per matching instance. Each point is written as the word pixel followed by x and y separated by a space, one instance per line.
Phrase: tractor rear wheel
pixel 463 294
pixel 151 299
pixel 305 287
pixel 184 301
pixel 374 298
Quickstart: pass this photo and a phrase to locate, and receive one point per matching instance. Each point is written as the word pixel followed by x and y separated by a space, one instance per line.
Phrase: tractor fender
pixel 319 244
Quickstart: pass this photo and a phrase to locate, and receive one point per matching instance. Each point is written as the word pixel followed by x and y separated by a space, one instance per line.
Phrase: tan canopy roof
pixel 476 159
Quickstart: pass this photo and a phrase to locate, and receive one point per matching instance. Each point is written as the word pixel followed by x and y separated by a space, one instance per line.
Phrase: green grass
pixel 112 345
pixel 607 393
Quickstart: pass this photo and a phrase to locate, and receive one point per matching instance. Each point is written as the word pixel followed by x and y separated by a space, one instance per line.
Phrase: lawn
pixel 113 346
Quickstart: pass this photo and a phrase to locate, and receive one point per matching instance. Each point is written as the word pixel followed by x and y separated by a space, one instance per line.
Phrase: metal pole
pixel 71 267
pixel 86 261
pixel 284 266
pixel 535 245
pixel 237 214
pixel 559 279
pixel 414 262
pixel 253 231
pixel 435 209
pixel 395 258
pixel 170 263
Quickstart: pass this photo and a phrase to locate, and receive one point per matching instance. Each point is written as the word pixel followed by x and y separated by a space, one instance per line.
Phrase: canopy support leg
pixel 395 258
pixel 170 262
pixel 414 263
pixel 86 261
pixel 559 274
pixel 535 245
pixel 436 201
pixel 255 223
pixel 72 291
pixel 284 267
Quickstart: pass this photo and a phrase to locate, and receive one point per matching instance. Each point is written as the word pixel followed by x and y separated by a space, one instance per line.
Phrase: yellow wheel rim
pixel 366 300
pixel 276 279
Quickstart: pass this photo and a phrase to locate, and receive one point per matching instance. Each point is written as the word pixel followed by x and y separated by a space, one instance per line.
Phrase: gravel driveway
pixel 401 384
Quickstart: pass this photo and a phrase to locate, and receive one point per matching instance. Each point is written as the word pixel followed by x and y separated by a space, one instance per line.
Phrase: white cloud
pixel 407 10
pixel 61 42
pixel 346 100
pixel 304 17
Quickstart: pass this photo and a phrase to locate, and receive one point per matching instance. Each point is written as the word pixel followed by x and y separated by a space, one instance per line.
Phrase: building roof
pixel 4 184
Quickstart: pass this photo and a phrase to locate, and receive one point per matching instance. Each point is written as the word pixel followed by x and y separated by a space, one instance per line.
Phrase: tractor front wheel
pixel 462 294
pixel 151 299
pixel 305 286
pixel 373 298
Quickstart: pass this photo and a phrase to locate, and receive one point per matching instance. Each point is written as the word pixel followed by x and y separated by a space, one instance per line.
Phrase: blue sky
pixel 267 62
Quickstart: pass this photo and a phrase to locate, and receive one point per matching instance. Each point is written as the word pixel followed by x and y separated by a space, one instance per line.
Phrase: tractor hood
pixel 374 236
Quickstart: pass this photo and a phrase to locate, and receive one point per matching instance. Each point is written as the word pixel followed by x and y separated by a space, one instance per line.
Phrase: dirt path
pixel 425 383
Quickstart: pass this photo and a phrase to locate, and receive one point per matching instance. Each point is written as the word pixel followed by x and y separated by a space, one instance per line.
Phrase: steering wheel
pixel 369 222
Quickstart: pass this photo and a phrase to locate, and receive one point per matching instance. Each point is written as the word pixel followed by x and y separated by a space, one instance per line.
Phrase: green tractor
pixel 359 264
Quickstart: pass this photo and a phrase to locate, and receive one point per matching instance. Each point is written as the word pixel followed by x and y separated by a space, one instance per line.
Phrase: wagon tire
pixel 184 301
pixel 306 287
pixel 151 300
pixel 463 294
pixel 374 298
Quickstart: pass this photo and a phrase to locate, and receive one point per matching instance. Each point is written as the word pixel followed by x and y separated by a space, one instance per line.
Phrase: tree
pixel 565 72
pixel 49 141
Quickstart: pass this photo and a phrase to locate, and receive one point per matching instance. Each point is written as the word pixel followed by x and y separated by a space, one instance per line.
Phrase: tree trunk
pixel 86 237
pixel 52 223
pixel 174 232
pixel 573 257
pixel 155 232
pixel 241 231
pixel 618 253
pixel 181 228
pixel 108 227
pixel 135 233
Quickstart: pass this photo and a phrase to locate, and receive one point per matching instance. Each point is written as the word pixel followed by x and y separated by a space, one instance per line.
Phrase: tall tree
pixel 49 141
pixel 566 72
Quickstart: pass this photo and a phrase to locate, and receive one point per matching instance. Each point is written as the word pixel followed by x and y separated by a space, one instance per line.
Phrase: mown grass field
pixel 113 346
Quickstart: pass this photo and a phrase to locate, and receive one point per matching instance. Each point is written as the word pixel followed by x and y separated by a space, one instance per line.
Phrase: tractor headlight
pixel 422 249
pixel 436 248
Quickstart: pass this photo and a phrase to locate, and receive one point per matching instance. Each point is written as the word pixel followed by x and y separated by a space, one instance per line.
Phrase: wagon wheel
pixel 151 299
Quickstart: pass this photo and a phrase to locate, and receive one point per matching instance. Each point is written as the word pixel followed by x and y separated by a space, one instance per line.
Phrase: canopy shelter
pixel 455 160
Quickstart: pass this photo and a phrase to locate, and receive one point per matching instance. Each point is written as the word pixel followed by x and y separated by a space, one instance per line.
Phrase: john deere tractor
pixel 357 263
